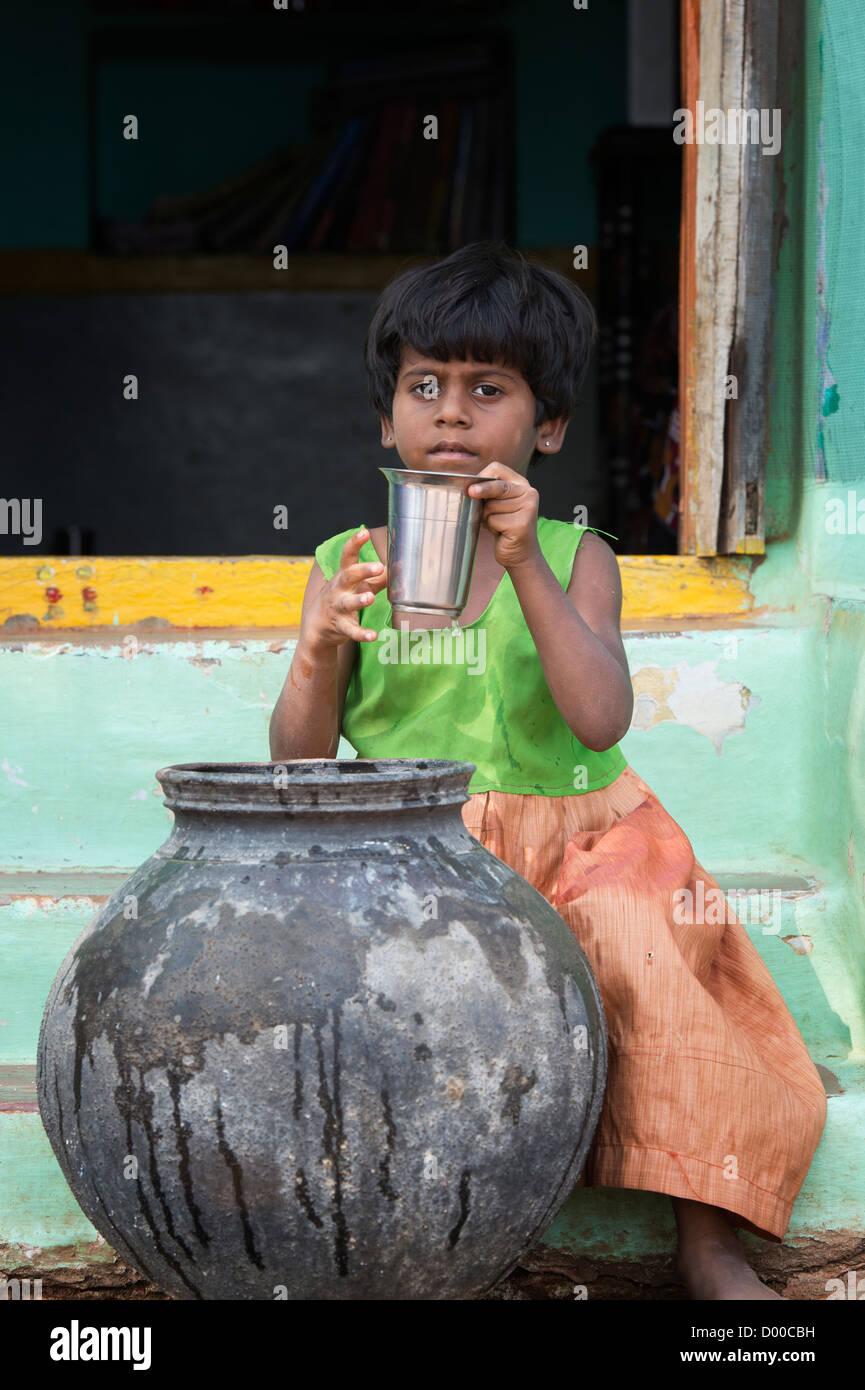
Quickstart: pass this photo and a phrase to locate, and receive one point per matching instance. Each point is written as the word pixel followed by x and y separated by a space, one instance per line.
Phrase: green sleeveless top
pixel 476 693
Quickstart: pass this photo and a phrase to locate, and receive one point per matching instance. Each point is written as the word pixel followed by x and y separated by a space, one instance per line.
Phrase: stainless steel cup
pixel 432 536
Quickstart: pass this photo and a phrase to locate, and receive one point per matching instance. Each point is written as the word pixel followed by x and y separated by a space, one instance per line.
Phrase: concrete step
pixel 806 926
pixel 604 1235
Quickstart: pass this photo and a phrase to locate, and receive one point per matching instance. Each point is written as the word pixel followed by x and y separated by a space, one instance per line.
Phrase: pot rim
pixel 311 784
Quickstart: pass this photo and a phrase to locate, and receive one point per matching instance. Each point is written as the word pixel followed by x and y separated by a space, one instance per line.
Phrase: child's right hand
pixel 332 619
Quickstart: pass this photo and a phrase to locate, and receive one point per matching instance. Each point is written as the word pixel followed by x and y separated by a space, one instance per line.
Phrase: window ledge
pixel 57 593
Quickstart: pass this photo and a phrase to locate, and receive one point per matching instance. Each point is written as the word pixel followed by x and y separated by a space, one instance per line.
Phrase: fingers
pixel 359 634
pixel 496 487
pixel 349 562
pixel 351 549
pixel 346 610
pixel 353 546
pixel 504 495
pixel 493 488
pixel 357 588
pixel 368 574
pixel 352 570
pixel 358 577
pixel 352 588
pixel 349 601
pixel 499 503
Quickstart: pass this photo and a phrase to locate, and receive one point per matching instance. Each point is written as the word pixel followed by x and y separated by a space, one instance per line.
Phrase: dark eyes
pixel 429 391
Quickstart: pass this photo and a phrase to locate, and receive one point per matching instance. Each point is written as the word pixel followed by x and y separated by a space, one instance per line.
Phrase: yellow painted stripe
pixel 267 591
pixel 58 592
pixel 685 586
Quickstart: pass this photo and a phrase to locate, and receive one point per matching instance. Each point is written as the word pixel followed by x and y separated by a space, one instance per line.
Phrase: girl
pixel 475 364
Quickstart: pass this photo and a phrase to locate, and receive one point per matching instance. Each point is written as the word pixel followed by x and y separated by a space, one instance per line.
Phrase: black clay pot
pixel 322 1044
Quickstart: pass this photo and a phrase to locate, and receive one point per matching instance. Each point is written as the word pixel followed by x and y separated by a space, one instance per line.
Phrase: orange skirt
pixel 710 1091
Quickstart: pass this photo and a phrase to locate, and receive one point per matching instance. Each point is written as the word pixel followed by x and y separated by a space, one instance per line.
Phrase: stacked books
pixel 371 178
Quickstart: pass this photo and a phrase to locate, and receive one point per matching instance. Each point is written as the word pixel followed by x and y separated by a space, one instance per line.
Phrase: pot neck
pixel 313 808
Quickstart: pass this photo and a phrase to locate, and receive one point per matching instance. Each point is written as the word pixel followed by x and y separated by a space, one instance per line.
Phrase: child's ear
pixel 387 438
pixel 551 436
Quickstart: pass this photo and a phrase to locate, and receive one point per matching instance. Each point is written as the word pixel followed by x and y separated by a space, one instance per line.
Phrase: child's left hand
pixel 510 512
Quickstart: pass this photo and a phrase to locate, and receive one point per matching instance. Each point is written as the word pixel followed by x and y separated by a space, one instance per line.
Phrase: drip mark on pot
pixel 301 1187
pixel 128 1101
pixel 384 1181
pixel 182 1130
pixel 515 1085
pixel 562 1003
pixel 125 1108
pixel 145 1117
pixel 61 1126
pixel 454 1234
pixel 298 1074
pixel 237 1179
pixel 81 1047
pixel 152 1227
pixel 332 1141
pixel 118 1241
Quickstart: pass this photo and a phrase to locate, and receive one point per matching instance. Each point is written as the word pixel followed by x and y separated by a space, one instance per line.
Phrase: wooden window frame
pixel 729 60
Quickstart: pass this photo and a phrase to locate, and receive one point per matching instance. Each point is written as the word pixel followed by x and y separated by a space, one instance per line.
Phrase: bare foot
pixel 713 1270
pixel 710 1260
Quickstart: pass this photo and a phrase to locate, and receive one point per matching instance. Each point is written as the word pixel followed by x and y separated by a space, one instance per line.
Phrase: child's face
pixel 486 408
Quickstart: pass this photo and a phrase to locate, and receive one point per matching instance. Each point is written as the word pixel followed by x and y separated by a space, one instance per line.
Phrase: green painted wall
pixel 816 464
pixel 77 787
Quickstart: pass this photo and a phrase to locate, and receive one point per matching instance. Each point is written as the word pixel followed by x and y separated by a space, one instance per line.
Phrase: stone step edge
pixel 97 885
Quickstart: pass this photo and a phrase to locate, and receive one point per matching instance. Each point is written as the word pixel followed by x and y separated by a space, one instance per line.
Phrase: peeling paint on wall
pixel 692 695
pixel 829 400
pixel 11 770
pixel 802 945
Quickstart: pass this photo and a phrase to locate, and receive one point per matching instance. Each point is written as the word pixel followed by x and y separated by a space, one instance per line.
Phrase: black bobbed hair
pixel 485 302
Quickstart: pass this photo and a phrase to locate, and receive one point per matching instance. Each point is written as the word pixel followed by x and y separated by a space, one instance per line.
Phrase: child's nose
pixel 454 404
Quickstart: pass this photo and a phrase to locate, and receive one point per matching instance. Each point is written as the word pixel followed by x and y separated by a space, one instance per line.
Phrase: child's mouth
pixel 449 455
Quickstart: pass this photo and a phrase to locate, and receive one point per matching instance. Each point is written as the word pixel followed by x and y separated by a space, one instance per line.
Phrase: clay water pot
pixel 322 1044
